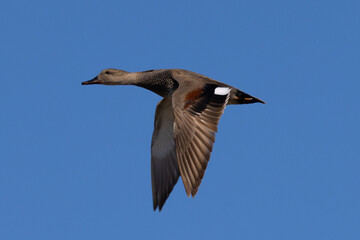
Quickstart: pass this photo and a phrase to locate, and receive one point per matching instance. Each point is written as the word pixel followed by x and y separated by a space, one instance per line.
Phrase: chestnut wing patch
pixel 197 100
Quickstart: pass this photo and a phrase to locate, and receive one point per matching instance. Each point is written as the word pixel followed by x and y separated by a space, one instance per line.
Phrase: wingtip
pixel 188 191
pixel 195 190
pixel 161 206
pixel 187 186
pixel 158 205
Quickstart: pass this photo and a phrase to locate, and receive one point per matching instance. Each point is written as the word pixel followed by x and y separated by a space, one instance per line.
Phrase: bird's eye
pixel 107 72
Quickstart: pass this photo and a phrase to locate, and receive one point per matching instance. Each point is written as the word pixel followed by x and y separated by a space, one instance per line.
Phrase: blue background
pixel 75 160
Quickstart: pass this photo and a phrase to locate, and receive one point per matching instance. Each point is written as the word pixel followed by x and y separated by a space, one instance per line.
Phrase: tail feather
pixel 243 98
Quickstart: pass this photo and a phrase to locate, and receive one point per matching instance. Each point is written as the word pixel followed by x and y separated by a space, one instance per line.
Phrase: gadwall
pixel 186 121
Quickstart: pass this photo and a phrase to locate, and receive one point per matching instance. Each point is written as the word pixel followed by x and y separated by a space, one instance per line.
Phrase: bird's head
pixel 108 76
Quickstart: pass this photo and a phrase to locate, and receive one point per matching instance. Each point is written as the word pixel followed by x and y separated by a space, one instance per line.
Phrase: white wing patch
pixel 222 90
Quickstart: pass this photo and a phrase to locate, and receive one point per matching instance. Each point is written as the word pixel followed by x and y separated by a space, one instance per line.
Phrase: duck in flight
pixel 186 121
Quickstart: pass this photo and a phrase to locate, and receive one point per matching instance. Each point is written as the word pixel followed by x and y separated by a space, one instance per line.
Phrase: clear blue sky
pixel 75 160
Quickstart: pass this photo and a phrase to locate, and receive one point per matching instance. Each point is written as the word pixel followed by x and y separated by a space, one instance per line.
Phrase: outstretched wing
pixel 196 123
pixel 164 167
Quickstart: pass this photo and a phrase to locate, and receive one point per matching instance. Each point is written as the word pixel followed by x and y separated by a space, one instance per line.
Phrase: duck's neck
pixel 157 81
pixel 130 78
